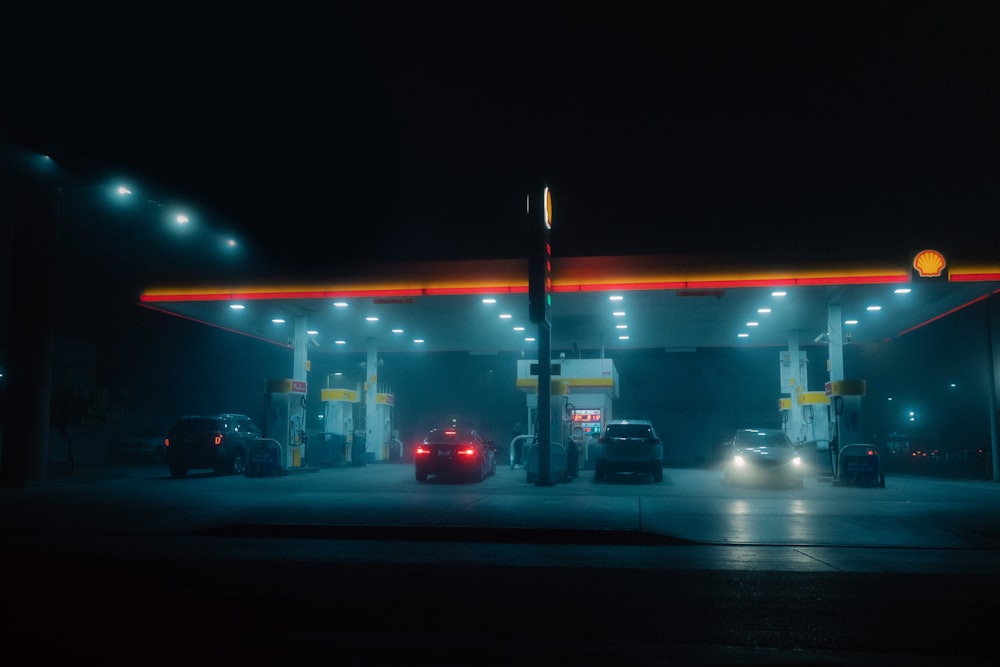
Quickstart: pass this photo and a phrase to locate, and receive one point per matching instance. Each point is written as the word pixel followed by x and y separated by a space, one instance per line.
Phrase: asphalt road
pixel 366 566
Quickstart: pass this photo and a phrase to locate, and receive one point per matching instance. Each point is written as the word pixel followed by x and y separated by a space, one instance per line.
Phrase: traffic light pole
pixel 544 409
pixel 539 288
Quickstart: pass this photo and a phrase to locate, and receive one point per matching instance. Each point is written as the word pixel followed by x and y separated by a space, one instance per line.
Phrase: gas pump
pixel 381 426
pixel 586 426
pixel 285 418
pixel 814 407
pixel 339 406
pixel 847 427
pixel 593 384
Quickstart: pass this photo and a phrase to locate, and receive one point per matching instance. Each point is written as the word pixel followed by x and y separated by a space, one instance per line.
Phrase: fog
pixel 173 367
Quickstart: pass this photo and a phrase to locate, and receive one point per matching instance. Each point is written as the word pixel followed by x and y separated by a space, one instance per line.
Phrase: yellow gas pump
pixel 284 421
pixel 339 405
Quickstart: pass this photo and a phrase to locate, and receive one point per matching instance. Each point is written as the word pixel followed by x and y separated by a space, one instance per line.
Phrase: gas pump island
pixel 285 418
pixel 827 420
pixel 346 426
pixel 580 399
pixel 348 429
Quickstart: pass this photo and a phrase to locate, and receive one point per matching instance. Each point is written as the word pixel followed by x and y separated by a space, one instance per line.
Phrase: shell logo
pixel 929 263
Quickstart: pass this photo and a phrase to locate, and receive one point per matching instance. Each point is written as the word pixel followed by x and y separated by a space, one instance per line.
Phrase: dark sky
pixel 366 131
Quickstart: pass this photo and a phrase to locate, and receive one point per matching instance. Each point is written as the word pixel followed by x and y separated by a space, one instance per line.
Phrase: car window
pixel 632 431
pixel 764 440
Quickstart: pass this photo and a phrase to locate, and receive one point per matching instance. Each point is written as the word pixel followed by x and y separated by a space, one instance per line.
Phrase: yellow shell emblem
pixel 929 263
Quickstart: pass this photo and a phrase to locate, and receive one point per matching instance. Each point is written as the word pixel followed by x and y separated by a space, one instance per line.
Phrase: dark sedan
pixel 455 452
pixel 763 456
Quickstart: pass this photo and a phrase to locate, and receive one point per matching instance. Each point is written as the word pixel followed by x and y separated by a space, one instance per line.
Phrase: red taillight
pixel 166 441
pixel 467 451
pixel 450 431
pixel 422 450
pixel 871 452
pixel 218 440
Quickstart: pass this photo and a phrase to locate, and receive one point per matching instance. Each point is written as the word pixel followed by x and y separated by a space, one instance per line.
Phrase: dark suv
pixel 219 442
pixel 629 445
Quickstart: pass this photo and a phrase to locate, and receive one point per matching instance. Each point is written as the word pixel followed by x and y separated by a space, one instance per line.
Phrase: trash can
pixel 859 465
pixel 264 459
pixel 327 449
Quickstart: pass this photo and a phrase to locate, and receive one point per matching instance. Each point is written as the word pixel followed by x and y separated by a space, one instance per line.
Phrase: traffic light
pixel 540 263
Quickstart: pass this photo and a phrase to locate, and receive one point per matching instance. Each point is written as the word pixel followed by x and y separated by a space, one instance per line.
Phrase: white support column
pixel 797 381
pixel 835 348
pixel 993 387
pixel 373 426
pixel 300 349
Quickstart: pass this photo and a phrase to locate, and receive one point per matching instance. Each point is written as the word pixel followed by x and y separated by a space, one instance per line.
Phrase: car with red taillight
pixel 455 452
pixel 219 442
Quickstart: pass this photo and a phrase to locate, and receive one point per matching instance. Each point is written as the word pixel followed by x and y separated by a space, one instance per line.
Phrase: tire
pixel 657 472
pixel 238 466
pixel 599 471
pixel 235 466
pixel 421 476
pixel 178 471
pixel 480 474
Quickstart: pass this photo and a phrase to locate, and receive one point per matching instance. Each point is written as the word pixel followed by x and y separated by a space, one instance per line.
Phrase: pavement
pixel 366 566
pixel 914 524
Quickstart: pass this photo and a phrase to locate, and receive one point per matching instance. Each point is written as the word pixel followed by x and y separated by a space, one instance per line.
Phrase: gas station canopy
pixel 606 303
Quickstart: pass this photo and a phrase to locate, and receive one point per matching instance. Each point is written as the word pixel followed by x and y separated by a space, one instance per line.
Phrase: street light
pixel 59 227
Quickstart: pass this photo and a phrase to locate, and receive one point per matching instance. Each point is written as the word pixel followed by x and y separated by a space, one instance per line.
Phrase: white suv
pixel 629 445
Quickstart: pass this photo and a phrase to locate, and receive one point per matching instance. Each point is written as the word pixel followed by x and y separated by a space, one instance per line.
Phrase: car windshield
pixel 628 431
pixel 758 439
pixel 603 242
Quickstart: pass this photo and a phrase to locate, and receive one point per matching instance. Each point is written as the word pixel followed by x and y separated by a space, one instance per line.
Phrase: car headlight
pixel 738 461
pixel 797 461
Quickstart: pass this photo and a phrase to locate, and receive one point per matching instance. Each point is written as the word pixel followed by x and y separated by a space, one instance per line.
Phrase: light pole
pixel 32 197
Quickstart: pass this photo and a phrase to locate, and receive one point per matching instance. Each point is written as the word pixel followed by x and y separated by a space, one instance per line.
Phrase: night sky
pixel 375 132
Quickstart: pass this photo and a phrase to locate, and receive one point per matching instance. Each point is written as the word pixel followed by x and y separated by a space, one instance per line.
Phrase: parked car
pixel 764 456
pixel 628 445
pixel 456 452
pixel 219 442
